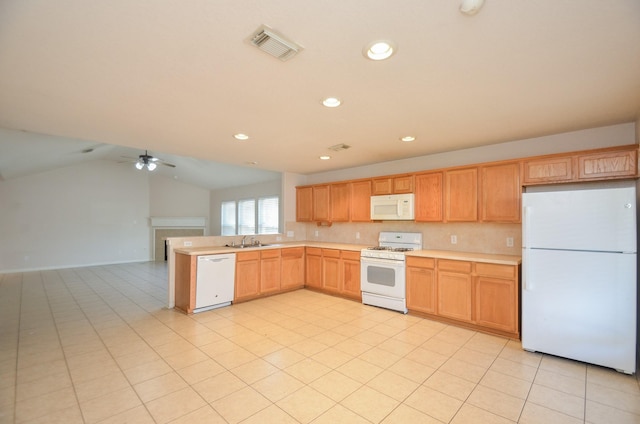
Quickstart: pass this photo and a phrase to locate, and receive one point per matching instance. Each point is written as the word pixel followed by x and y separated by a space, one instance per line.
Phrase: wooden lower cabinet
pixel 478 295
pixel 350 264
pixel 247 275
pixel 185 282
pixel 454 289
pixel 313 267
pixel 334 271
pixel 496 296
pixel 421 285
pixel 292 268
pixel 331 270
pixel 270 271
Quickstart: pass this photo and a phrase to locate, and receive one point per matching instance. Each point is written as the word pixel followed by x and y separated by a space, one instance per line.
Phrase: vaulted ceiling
pixel 180 78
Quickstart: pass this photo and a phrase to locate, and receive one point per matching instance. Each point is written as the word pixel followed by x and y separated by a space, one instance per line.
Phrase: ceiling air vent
pixel 339 147
pixel 276 45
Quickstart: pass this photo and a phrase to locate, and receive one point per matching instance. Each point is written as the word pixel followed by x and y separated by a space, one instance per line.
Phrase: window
pixel 250 216
pixel 247 216
pixel 228 218
pixel 268 215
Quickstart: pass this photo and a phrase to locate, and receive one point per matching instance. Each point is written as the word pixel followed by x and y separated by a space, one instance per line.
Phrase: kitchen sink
pixel 247 246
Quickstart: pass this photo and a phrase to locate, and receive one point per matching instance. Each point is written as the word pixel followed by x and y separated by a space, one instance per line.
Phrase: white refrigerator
pixel 579 275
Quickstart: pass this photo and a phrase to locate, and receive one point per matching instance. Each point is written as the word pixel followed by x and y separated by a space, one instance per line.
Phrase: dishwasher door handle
pixel 214 259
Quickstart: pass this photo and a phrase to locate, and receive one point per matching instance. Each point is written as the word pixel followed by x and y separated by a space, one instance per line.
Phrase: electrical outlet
pixel 188 243
pixel 317 233
pixel 357 235
pixel 278 238
pixel 509 241
pixel 454 239
pixel 289 233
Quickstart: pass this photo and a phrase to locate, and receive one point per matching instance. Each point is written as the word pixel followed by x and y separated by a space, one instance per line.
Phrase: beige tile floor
pixel 96 345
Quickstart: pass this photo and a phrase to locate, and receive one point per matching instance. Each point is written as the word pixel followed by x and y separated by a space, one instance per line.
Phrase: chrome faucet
pixel 242 242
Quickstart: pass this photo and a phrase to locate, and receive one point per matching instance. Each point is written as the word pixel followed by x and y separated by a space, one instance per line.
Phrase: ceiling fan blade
pixel 170 165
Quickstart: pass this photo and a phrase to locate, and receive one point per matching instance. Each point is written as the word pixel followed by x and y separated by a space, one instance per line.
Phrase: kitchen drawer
pixel 293 252
pixel 456 266
pixel 330 253
pixel 248 256
pixel 270 253
pixel 350 255
pixel 421 262
pixel 495 270
pixel 314 251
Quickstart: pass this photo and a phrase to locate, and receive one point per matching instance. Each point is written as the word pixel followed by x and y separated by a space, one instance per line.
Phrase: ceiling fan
pixel 147 161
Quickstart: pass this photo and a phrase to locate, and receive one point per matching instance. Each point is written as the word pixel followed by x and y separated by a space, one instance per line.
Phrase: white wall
pixel 171 198
pixel 93 213
pixel 615 135
pixel 252 191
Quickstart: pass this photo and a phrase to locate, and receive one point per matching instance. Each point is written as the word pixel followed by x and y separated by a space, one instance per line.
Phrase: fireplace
pixel 164 228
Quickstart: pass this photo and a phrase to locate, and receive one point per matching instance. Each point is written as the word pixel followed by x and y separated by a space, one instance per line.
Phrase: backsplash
pixel 471 236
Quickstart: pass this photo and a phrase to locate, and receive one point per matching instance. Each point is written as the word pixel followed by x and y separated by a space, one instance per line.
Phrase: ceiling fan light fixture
pixel 139 165
pixel 151 166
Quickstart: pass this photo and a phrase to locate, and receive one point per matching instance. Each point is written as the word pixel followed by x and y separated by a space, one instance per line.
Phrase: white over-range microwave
pixel 396 207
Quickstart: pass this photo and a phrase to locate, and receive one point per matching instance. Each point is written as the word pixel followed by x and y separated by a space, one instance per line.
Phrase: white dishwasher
pixel 215 280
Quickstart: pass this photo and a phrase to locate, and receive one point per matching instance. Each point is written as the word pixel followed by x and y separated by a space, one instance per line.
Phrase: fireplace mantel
pixel 178 222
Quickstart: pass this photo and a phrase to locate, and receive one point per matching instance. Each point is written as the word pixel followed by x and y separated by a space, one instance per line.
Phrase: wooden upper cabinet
pixel 429 194
pixel 304 204
pixel 548 170
pixel 403 184
pixel 340 202
pixel 321 202
pixel 461 194
pixel 392 185
pixel 361 201
pixel 605 165
pixel 500 192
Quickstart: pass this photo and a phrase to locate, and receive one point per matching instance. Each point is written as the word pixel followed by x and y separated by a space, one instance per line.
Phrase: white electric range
pixel 382 276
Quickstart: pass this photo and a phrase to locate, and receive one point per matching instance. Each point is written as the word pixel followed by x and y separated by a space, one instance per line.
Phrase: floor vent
pixel 274 44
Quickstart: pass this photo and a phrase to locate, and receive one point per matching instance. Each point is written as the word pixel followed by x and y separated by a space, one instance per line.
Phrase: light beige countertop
pixel 468 256
pixel 439 254
pixel 214 250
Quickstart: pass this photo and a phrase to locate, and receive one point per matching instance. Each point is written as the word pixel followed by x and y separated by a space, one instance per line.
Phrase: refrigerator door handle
pixel 526 269
pixel 526 224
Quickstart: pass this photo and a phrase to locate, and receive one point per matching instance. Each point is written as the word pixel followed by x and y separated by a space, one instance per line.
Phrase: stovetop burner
pixel 391 249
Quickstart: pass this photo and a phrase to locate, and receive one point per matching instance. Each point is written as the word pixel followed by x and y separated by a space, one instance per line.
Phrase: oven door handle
pixel 380 261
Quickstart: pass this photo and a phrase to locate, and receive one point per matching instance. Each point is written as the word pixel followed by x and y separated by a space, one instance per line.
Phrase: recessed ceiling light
pixel 379 50
pixel 241 137
pixel 332 102
pixel 471 7
pixel 253 162
pixel 408 138
pixel 325 157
